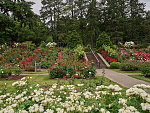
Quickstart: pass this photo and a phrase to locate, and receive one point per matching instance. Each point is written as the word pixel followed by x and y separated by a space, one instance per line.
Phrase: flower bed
pixel 107 57
pixel 69 98
pixel 68 65
pixel 135 55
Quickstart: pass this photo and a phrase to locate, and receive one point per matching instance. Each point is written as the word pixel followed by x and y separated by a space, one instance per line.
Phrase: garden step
pixel 102 63
pixel 91 58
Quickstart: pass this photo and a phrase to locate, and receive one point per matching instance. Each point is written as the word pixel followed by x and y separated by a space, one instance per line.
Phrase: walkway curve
pixel 121 78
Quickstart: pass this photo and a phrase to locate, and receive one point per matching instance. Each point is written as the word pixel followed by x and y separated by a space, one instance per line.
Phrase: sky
pixel 37 6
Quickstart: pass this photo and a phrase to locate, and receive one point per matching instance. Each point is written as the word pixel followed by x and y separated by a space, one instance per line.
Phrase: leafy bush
pixel 103 39
pixel 78 51
pixel 49 39
pixel 129 44
pixel 111 52
pixel 57 72
pixel 73 40
pixel 145 68
pixel 5 72
pixel 129 66
pixel 29 44
pixel 17 71
pixel 115 65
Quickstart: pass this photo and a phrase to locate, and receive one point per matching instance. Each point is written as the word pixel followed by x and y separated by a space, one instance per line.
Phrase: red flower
pixel 69 66
pixel 28 59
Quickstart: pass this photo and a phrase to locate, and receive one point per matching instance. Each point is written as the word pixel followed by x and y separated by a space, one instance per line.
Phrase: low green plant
pixel 129 66
pixel 115 65
pixel 17 71
pixel 5 73
pixel 145 69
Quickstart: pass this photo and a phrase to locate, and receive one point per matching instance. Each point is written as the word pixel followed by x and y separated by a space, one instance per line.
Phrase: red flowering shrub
pixel 25 58
pixel 107 57
pixel 67 66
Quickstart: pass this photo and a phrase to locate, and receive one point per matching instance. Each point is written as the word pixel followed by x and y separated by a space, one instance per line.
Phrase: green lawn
pixel 118 70
pixel 44 80
pixel 141 77
pixel 42 71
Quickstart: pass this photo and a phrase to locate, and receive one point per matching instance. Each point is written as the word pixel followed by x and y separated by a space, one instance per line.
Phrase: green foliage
pixel 73 40
pixel 79 52
pixel 103 39
pixel 129 66
pixel 115 65
pixel 29 45
pixel 17 71
pixel 145 69
pixel 49 39
pixel 111 51
pixel 57 72
pixel 5 72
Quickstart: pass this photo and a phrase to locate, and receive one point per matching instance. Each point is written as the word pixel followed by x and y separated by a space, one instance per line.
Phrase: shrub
pixel 145 68
pixel 17 71
pixel 49 39
pixel 129 44
pixel 103 39
pixel 5 72
pixel 111 52
pixel 129 66
pixel 115 65
pixel 73 40
pixel 57 72
pixel 78 51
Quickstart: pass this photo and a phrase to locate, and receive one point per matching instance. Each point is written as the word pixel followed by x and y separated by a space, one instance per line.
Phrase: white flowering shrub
pixel 51 44
pixel 79 98
pixel 16 44
pixel 129 44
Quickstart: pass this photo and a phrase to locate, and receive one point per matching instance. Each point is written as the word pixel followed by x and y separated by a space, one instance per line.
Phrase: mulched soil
pixel 12 78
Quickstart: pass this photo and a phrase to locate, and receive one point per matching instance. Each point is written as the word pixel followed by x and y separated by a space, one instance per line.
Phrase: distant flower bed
pixel 79 98
pixel 107 57
pixel 137 55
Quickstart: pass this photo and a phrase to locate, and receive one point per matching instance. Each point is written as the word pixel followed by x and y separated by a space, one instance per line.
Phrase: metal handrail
pixel 95 58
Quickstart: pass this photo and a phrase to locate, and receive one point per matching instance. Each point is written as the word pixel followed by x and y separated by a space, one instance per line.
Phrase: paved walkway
pixel 121 78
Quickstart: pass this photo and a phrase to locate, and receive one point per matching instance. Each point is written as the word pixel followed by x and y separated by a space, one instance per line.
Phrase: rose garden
pixel 74 56
pixel 70 83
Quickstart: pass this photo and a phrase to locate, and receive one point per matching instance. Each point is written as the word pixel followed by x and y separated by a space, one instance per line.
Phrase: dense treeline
pixel 122 20
pixel 19 23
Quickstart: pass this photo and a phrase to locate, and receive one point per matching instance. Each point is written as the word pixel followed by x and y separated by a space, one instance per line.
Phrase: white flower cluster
pixel 19 83
pixel 51 44
pixel 140 92
pixel 125 108
pixel 22 82
pixel 145 106
pixel 36 108
pixel 16 44
pixel 70 98
pixel 129 44
pixel 110 87
pixel 4 46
